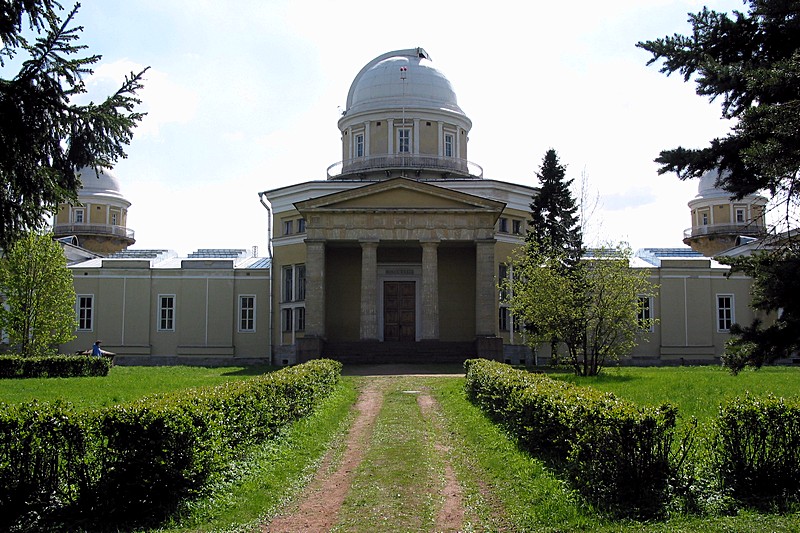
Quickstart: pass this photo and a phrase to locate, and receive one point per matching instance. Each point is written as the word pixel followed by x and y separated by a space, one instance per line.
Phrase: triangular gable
pixel 400 193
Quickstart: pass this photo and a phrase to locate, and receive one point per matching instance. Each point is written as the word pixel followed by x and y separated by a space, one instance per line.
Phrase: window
pixel 301 225
pixel 85 311
pixel 516 227
pixel 725 316
pixel 78 216
pixel 740 215
pixel 502 225
pixel 166 312
pixel 359 151
pixel 502 274
pixel 705 219
pixel 300 317
pixel 448 145
pixel 645 314
pixel 114 219
pixel 287 319
pixel 300 289
pixel 287 227
pixel 502 322
pixel 288 283
pixel 403 140
pixel 247 313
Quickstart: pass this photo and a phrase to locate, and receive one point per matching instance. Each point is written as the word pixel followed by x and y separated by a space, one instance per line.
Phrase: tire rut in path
pixel 451 514
pixel 319 505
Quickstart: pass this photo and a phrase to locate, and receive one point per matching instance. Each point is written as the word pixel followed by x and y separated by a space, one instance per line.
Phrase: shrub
pixel 615 453
pixel 757 450
pixel 133 463
pixel 53 366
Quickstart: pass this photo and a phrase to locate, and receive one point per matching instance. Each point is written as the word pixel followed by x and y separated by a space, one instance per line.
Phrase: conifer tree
pixel 44 136
pixel 554 224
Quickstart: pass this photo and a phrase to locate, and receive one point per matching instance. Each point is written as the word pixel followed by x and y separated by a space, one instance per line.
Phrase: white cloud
pixel 164 101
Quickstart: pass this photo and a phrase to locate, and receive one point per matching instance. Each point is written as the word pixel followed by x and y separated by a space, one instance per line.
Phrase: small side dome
pixel 103 183
pixel 401 78
pixel 707 188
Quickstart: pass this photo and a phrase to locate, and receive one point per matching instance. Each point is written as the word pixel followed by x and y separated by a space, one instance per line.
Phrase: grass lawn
pixel 696 391
pixel 123 384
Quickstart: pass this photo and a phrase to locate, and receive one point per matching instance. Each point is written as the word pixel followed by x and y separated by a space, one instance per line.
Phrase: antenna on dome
pixel 403 72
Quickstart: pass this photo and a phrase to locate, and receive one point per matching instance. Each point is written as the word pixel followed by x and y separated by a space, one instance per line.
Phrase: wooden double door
pixel 399 311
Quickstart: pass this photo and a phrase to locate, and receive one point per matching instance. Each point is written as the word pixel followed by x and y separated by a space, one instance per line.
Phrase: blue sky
pixel 243 96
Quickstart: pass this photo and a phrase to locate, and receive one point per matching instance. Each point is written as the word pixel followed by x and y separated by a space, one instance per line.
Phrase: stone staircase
pixel 420 352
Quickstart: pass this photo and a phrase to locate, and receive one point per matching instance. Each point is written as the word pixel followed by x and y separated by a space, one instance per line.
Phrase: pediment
pixel 400 194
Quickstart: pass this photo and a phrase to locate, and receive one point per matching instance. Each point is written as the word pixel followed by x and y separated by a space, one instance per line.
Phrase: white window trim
pixel 79 211
pixel 78 311
pixel 732 309
pixel 410 139
pixel 160 308
pixel 650 306
pixel 253 329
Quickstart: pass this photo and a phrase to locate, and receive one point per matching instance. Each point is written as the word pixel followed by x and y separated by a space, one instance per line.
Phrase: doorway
pixel 399 311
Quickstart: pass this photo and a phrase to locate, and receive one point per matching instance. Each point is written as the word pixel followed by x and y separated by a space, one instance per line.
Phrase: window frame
pixel 79 213
pixel 247 314
pixel 502 225
pixel 300 318
pixel 165 320
pixel 645 312
pixel 404 140
pixel 82 320
pixel 287 283
pixel 726 315
pixel 288 227
pixel 358 145
pixel 301 225
pixel 287 317
pixel 740 211
pixel 449 144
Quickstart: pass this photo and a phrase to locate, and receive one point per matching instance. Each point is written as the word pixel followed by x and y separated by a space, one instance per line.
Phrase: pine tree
pixel 554 224
pixel 44 137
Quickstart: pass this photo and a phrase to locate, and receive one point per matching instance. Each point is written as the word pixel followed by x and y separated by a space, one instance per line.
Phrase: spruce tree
pixel 554 224
pixel 44 136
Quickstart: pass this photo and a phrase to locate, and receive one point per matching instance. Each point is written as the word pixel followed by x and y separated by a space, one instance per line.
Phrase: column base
pixel 309 348
pixel 489 348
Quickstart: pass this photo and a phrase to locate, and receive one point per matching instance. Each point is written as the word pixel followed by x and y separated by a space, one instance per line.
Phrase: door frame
pixel 400 272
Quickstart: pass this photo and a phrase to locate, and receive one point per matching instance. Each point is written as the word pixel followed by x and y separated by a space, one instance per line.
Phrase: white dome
pixel 98 184
pixel 707 188
pixel 380 84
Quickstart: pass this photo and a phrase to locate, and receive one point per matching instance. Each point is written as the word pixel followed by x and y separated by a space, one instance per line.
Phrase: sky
pixel 244 96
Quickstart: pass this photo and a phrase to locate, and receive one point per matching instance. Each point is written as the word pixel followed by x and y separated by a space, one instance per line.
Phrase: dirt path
pixel 451 515
pixel 318 507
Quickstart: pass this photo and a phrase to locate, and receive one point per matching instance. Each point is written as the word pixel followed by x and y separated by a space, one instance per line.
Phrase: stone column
pixel 315 288
pixel 369 290
pixel 485 290
pixel 430 290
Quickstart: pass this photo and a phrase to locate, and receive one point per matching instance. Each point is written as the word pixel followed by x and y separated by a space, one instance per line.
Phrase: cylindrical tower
pixel 99 219
pixel 718 219
pixel 402 119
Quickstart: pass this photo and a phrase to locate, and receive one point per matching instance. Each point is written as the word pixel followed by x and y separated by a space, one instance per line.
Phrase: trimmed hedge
pixel 133 463
pixel 757 450
pixel 53 366
pixel 615 453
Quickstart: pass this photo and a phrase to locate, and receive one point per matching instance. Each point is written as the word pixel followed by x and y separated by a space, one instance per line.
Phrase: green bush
pixel 616 454
pixel 53 366
pixel 757 450
pixel 133 463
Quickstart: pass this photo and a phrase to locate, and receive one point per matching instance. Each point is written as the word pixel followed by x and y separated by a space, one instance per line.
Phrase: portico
pixel 375 271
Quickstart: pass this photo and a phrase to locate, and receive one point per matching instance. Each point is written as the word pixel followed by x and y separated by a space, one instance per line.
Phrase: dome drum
pixel 402 119
pixel 414 164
